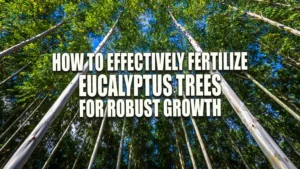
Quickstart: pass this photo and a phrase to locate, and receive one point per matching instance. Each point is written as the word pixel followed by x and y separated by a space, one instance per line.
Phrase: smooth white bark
pixel 121 144
pixel 188 144
pixel 14 74
pixel 284 106
pixel 25 150
pixel 275 155
pixel 97 141
pixel 129 156
pixel 30 40
pixel 59 142
pixel 181 160
pixel 79 153
pixel 22 125
pixel 18 118
pixel 203 149
pixel 238 151
pixel 269 21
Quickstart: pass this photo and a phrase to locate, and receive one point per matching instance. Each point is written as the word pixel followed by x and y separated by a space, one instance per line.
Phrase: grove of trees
pixel 39 122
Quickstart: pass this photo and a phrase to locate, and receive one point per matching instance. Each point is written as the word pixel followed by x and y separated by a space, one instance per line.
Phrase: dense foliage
pixel 274 61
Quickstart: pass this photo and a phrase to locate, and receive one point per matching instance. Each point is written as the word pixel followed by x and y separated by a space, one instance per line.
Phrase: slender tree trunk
pixel 131 146
pixel 28 41
pixel 14 74
pixel 79 153
pixel 12 152
pixel 25 150
pixel 21 115
pixel 269 21
pixel 291 61
pixel 121 145
pixel 236 147
pixel 271 150
pixel 22 125
pixel 129 156
pixel 238 151
pixel 280 4
pixel 59 142
pixel 284 106
pixel 291 102
pixel 188 144
pixel 203 149
pixel 97 141
pixel 181 160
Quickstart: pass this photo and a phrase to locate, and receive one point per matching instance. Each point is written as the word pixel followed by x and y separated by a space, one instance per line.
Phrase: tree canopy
pixel 30 31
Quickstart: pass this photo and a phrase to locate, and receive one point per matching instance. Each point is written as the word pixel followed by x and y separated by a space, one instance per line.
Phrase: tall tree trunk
pixel 79 153
pixel 203 149
pixel 236 147
pixel 279 4
pixel 269 21
pixel 121 145
pixel 12 152
pixel 284 106
pixel 188 144
pixel 131 146
pixel 271 150
pixel 25 150
pixel 292 145
pixel 21 115
pixel 97 141
pixel 30 40
pixel 181 160
pixel 129 156
pixel 14 74
pixel 22 125
pixel 291 102
pixel 238 151
pixel 59 142
pixel 291 61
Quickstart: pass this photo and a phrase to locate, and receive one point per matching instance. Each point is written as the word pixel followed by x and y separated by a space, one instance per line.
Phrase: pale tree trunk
pixel 292 145
pixel 203 149
pixel 275 155
pixel 77 158
pixel 188 144
pixel 130 148
pixel 238 151
pixel 181 160
pixel 97 141
pixel 291 102
pixel 12 152
pixel 279 4
pixel 284 106
pixel 30 40
pixel 25 150
pixel 80 151
pixel 129 156
pixel 269 21
pixel 21 115
pixel 22 125
pixel 121 145
pixel 59 142
pixel 291 61
pixel 14 74
pixel 236 147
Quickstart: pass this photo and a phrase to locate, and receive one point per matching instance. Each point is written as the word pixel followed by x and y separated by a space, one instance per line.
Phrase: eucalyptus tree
pixel 266 143
pixel 24 151
pixel 288 109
